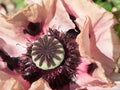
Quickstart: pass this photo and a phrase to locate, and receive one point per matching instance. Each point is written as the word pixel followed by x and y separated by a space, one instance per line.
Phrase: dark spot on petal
pixel 91 68
pixel 77 29
pixel 33 28
pixel 89 36
pixel 3 5
pixel 12 62
pixel 4 55
pixel 72 17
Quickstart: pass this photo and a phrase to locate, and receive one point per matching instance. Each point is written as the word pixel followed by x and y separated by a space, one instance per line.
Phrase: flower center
pixel 47 52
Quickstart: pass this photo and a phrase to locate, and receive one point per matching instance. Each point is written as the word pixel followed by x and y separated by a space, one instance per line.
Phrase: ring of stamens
pixel 47 52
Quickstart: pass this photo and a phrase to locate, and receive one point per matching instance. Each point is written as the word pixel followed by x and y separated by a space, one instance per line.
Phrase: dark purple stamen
pixel 28 69
pixel 72 33
pixel 33 28
pixel 31 75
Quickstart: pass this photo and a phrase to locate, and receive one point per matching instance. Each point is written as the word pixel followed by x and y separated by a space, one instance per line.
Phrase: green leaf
pixel 105 4
pixel 19 3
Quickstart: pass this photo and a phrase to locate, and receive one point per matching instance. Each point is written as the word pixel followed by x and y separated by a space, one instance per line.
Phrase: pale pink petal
pixel 40 84
pixel 6 76
pixel 11 28
pixel 97 41
pixel 61 20
pixel 9 83
pixel 82 8
pixel 9 38
pixel 43 11
pixel 101 22
pixel 106 38
pixel 89 51
pixel 33 1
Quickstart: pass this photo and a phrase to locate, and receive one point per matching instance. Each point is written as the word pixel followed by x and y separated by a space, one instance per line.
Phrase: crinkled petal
pixel 106 39
pixel 33 1
pixel 89 51
pixel 6 76
pixel 97 41
pixel 61 20
pixel 102 23
pixel 9 83
pixel 12 29
pixel 9 38
pixel 40 84
pixel 80 8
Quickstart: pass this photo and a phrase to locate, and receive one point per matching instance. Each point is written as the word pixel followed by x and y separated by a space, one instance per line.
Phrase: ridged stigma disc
pixel 47 52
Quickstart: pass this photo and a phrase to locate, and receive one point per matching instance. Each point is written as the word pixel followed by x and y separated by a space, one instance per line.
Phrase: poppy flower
pixel 52 43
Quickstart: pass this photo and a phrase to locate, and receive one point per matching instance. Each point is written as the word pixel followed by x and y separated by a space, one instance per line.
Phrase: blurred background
pixel 12 6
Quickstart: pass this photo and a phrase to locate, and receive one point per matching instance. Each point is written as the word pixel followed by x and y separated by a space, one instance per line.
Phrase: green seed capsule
pixel 47 52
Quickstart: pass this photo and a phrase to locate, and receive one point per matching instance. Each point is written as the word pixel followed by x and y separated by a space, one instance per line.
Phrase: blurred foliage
pixel 104 3
pixel 117 15
pixel 109 4
pixel 117 29
pixel 19 3
pixel 116 4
